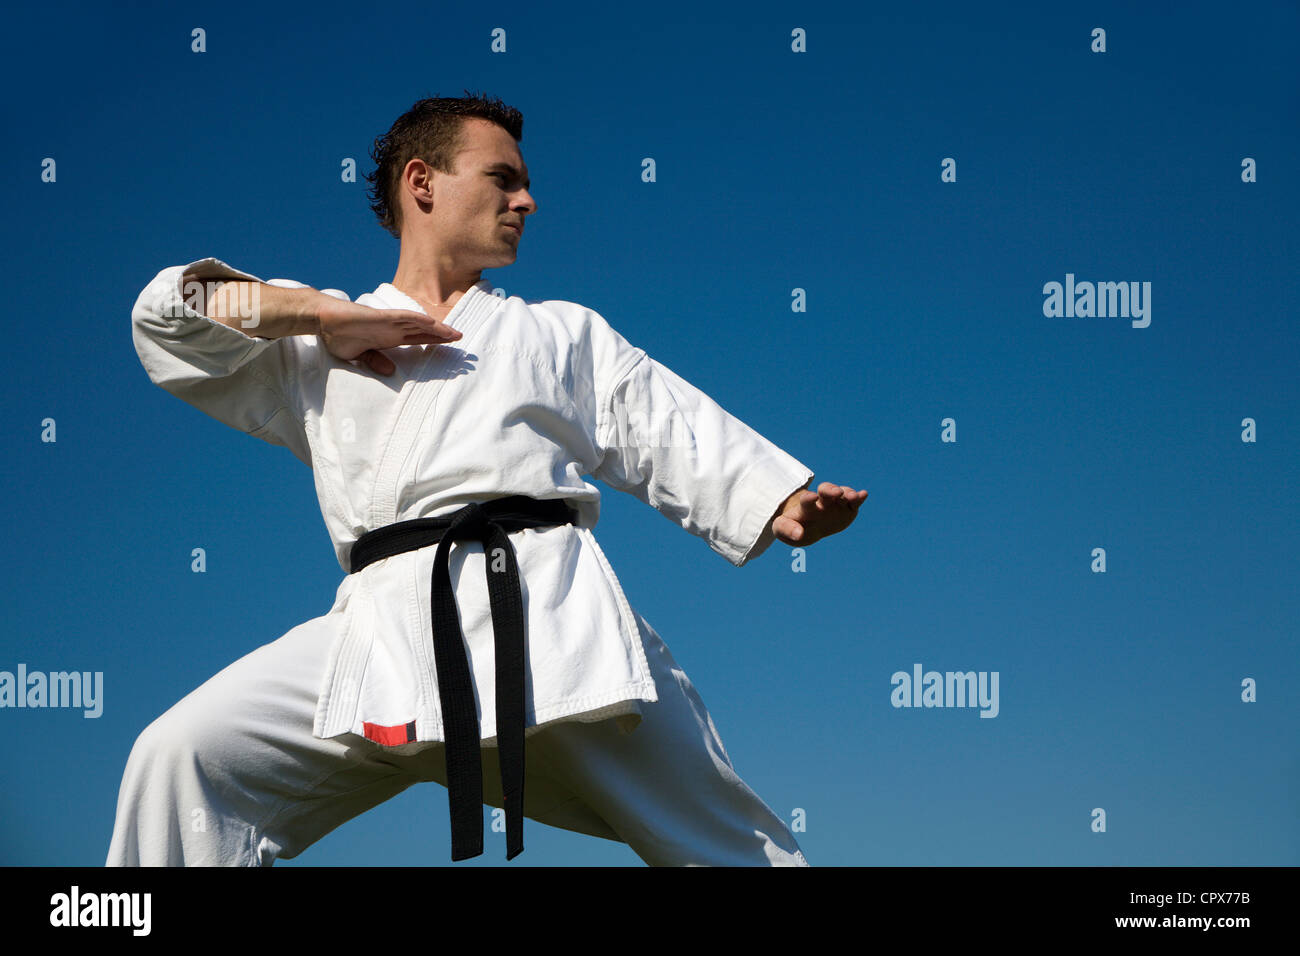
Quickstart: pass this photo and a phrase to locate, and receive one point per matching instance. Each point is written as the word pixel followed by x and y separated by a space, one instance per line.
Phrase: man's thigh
pixel 232 775
pixel 667 789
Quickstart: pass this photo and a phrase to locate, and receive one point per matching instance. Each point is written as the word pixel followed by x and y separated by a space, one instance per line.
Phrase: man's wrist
pixel 786 504
pixel 798 493
pixel 308 319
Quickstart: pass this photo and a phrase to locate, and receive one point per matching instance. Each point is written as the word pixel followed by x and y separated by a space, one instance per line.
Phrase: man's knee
pixel 182 737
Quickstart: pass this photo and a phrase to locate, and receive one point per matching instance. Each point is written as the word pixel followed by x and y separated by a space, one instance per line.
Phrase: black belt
pixel 488 523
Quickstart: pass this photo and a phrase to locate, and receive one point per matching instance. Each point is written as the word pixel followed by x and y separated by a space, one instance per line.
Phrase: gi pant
pixel 232 775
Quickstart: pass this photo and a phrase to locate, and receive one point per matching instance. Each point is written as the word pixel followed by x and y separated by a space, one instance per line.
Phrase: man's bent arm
pixel 222 367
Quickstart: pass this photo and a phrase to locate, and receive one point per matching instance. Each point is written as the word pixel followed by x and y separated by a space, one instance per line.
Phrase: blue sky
pixel 776 171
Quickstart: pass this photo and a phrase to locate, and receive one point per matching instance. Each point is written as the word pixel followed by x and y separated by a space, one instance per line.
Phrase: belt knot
pixel 469 523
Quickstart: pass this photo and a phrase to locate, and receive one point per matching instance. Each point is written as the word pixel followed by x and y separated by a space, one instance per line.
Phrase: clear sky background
pixel 776 171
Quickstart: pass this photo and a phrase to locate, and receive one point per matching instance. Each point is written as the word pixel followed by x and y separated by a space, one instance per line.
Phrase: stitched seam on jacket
pixel 602 411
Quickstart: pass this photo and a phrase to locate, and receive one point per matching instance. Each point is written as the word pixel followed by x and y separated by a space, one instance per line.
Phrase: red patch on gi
pixel 390 736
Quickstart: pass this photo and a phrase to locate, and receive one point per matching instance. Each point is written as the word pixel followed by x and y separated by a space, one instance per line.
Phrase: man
pixel 432 398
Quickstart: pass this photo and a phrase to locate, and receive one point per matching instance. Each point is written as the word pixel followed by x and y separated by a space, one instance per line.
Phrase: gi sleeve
pixel 247 382
pixel 667 443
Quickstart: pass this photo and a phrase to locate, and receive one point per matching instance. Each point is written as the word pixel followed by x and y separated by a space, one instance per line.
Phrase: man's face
pixel 474 208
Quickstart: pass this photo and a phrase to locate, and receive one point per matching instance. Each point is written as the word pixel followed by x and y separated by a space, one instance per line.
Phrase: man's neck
pixel 430 282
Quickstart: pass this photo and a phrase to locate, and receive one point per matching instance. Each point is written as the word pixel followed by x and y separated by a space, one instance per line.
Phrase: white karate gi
pixel 297 737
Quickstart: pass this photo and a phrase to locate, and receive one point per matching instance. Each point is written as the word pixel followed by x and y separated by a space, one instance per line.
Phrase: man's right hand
pixel 358 332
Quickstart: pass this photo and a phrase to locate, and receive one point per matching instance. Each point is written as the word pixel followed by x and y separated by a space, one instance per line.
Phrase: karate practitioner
pixel 433 398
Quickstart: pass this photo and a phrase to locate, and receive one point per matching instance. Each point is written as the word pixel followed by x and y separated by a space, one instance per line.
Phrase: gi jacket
pixel 535 395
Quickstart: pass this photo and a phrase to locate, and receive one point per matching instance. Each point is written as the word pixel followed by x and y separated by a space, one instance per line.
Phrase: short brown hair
pixel 431 131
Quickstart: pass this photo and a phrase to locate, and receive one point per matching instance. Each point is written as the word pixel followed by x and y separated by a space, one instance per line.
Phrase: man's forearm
pixel 255 308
